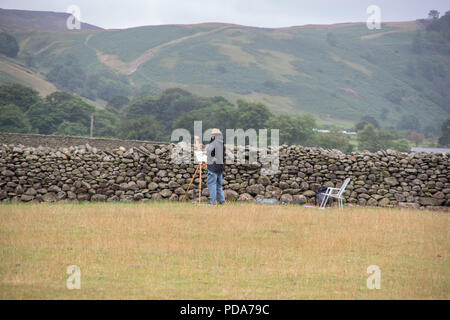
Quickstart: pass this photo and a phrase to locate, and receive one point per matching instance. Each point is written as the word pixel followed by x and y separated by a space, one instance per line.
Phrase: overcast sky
pixel 259 13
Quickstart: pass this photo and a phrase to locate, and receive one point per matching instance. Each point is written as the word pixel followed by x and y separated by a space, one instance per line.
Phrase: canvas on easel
pixel 200 158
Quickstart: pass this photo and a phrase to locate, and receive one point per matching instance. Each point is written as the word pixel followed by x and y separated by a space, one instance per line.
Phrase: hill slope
pixel 337 72
pixel 38 20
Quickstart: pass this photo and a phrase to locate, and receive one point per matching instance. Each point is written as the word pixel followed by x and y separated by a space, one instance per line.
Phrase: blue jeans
pixel 214 182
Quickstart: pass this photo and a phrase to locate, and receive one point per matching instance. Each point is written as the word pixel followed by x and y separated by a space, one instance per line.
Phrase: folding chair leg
pixel 341 204
pixel 324 202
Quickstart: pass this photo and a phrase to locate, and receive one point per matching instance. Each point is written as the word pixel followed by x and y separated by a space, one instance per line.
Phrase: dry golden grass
pixel 236 251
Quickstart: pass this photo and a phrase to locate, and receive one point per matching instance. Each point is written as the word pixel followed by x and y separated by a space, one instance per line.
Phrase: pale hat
pixel 215 131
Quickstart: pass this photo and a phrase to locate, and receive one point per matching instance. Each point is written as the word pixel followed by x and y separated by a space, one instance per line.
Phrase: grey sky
pixel 260 13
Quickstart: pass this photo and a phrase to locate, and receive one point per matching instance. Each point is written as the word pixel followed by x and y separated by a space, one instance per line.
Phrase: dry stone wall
pixel 147 172
pixel 54 141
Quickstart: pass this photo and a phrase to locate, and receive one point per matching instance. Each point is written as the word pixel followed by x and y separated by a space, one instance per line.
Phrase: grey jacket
pixel 216 154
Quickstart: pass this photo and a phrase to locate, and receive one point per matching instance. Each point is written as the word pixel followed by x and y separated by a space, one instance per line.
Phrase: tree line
pixel 23 110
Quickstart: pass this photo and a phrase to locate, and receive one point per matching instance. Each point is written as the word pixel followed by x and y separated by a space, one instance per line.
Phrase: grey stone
pixel 245 197
pixel 8 173
pixel 83 196
pixel 165 193
pixel 264 180
pixel 231 195
pixel 286 197
pixel 49 197
pixel 31 192
pixel 138 196
pixel 141 184
pixel 179 191
pixel 61 195
pixel 256 189
pixel 54 189
pixel 309 193
pixel 152 186
pixel 384 202
pixel 299 197
pixel 98 197
pixel 132 186
pixel 26 197
pixel 429 201
pixel 408 205
pixel 391 181
pixel 156 196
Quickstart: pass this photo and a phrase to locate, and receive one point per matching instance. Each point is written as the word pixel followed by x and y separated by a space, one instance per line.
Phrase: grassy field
pixel 236 251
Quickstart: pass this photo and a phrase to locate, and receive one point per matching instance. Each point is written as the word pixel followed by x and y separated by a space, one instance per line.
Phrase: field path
pixel 128 68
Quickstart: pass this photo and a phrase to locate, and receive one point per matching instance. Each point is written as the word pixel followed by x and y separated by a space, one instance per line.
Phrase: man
pixel 215 160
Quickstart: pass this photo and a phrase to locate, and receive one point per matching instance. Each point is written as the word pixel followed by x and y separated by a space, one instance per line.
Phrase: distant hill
pixel 339 73
pixel 38 20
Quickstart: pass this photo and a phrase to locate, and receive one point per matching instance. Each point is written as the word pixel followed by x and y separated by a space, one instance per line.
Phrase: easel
pixel 199 168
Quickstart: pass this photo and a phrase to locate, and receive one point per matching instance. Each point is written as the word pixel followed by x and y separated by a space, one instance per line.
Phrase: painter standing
pixel 215 160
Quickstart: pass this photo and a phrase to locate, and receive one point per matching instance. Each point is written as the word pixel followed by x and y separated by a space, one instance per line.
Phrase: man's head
pixel 215 132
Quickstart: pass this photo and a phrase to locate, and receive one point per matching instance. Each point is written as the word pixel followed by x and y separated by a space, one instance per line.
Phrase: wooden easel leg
pixel 200 185
pixel 190 183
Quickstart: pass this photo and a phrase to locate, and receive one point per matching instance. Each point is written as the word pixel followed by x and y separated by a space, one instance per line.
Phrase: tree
pixel 106 123
pixel 394 96
pixel 409 122
pixel 117 102
pixel 108 88
pixel 444 140
pixel 385 139
pixel 69 107
pixel 373 140
pixel 22 96
pixel 401 145
pixel 366 120
pixel 416 137
pixel 219 115
pixel 167 106
pixel 433 14
pixel 67 73
pixel 46 115
pixel 437 35
pixel 149 89
pixel 431 131
pixel 42 118
pixel 333 140
pixel 252 115
pixel 12 120
pixel 296 130
pixel 8 45
pixel 67 128
pixel 143 128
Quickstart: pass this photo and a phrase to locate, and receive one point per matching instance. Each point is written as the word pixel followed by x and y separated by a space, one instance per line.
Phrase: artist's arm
pixel 211 152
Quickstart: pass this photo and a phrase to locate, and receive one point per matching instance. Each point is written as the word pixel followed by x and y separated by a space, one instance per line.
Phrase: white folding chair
pixel 335 193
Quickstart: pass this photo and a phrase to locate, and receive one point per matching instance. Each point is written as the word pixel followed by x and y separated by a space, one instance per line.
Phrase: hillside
pixel 11 71
pixel 337 72
pixel 37 20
